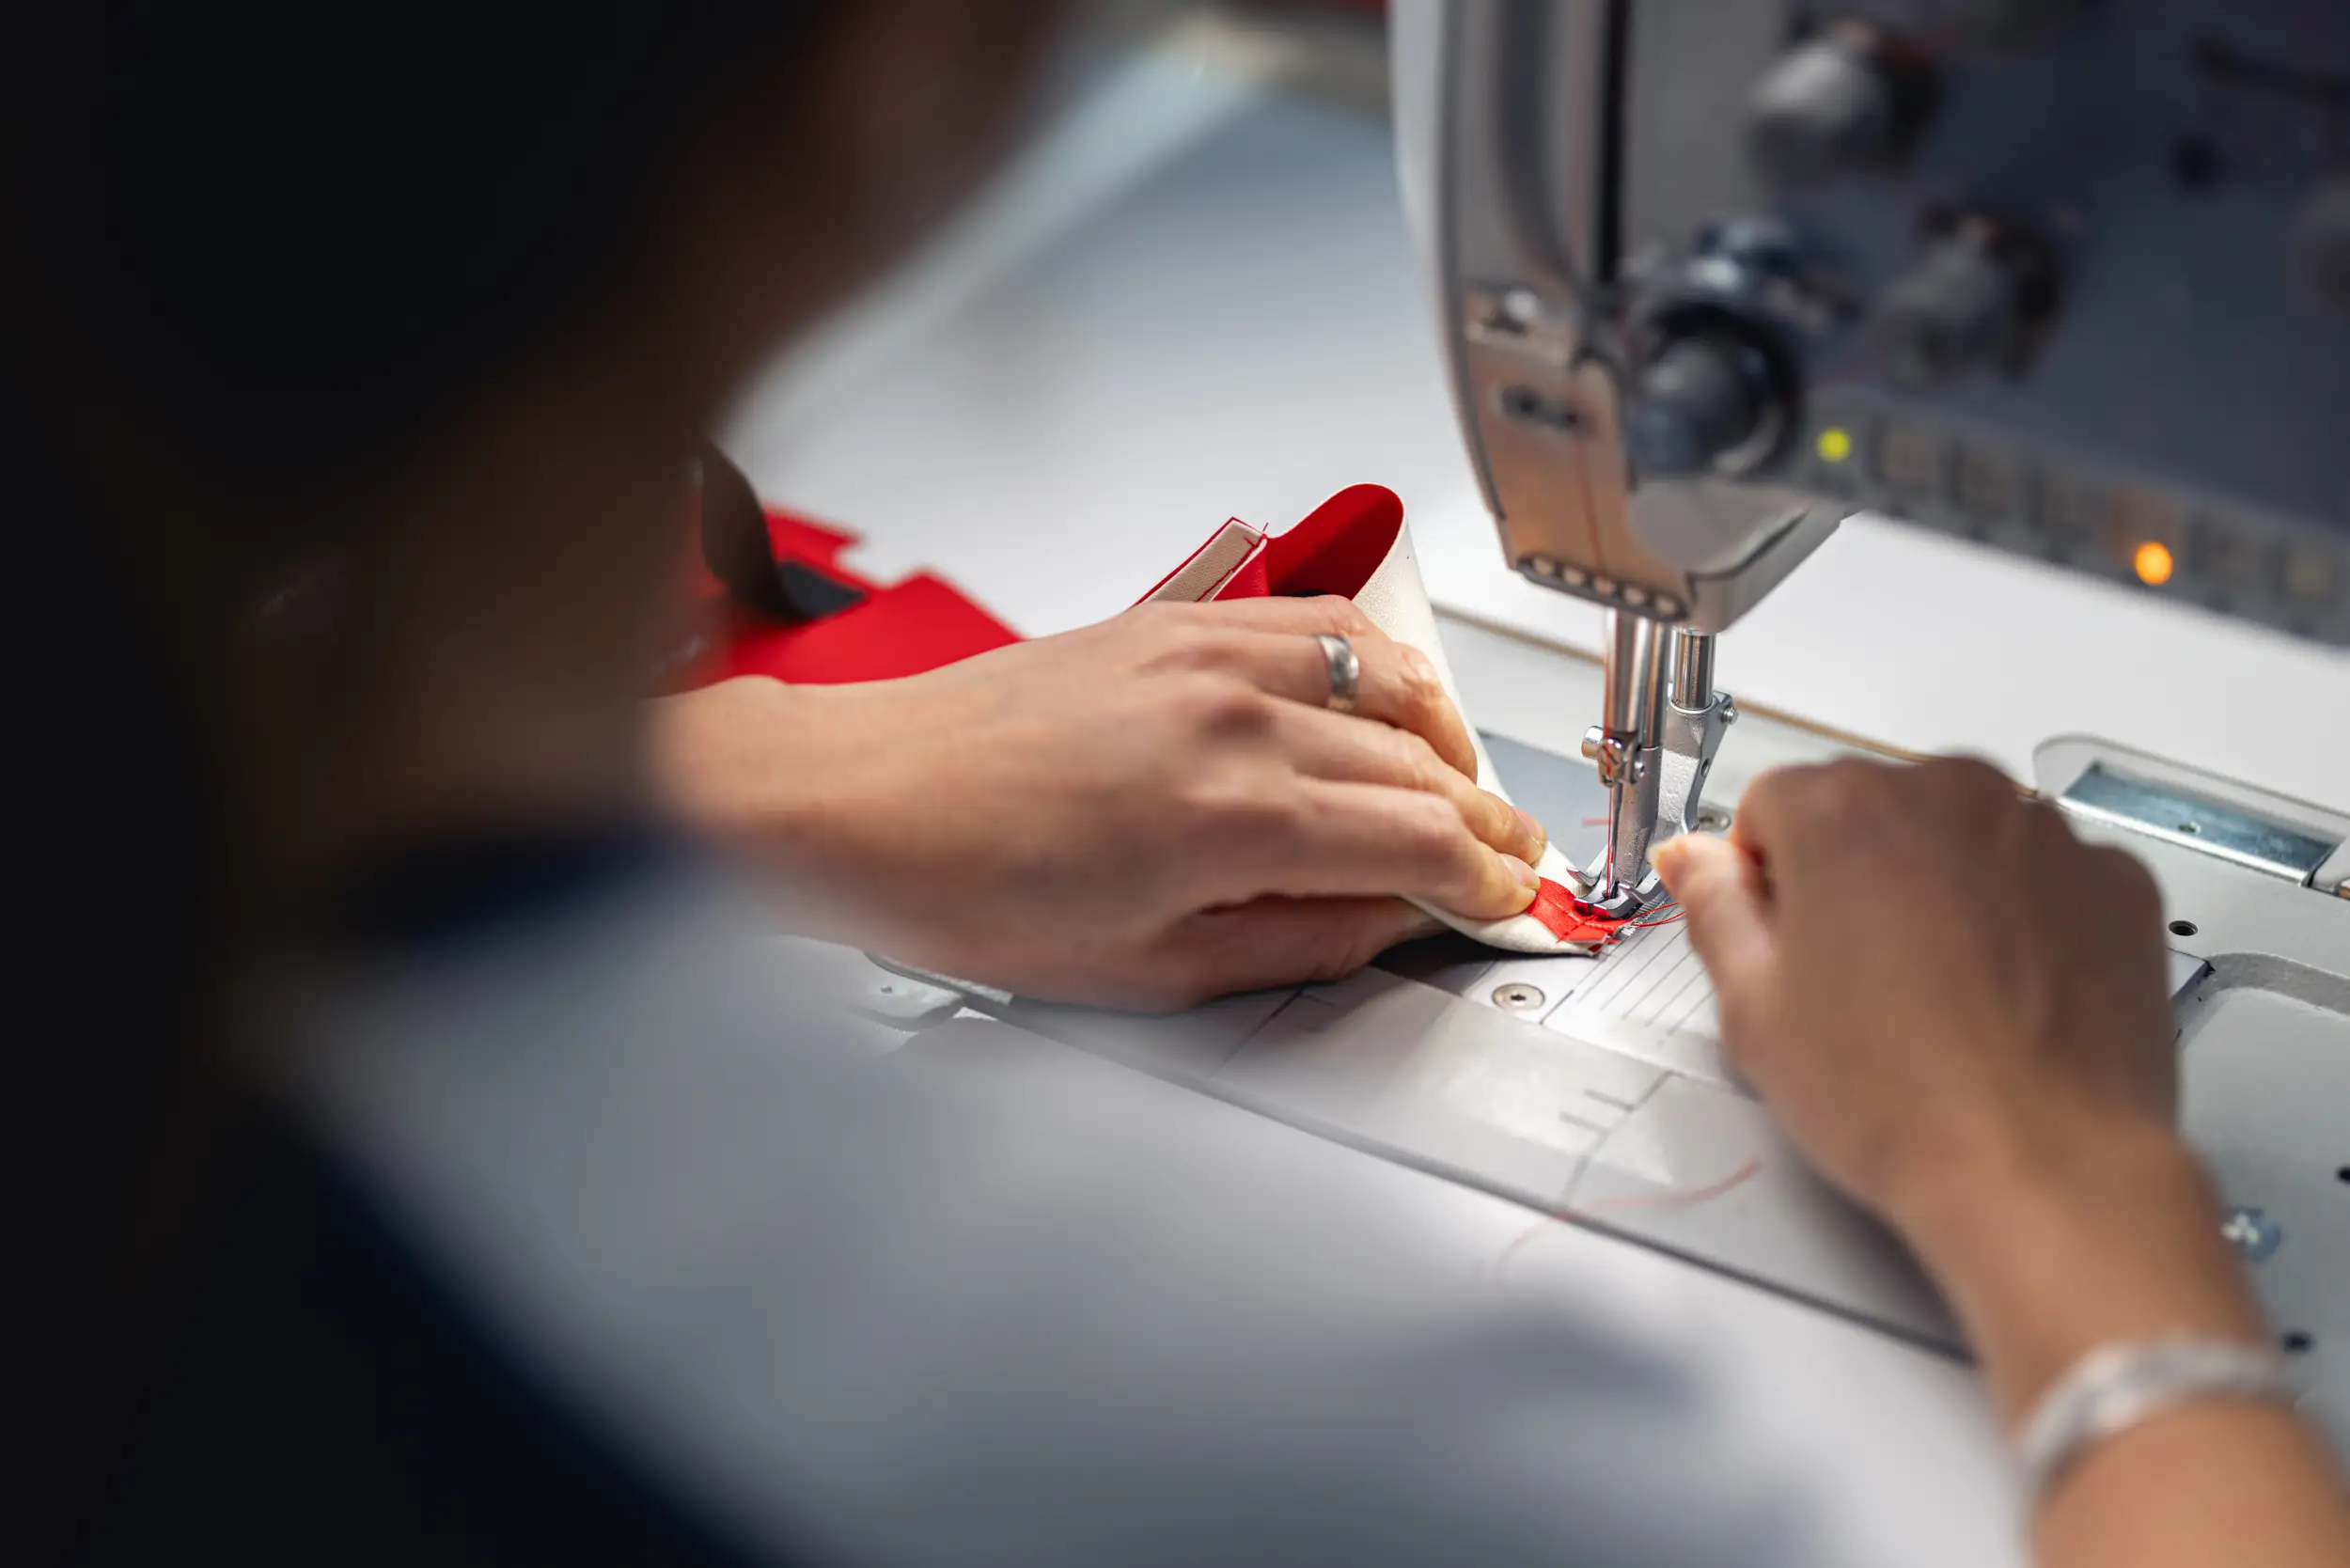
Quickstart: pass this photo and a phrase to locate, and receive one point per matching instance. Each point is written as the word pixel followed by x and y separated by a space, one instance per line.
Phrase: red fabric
pixel 924 621
pixel 900 629
pixel 1569 918
pixel 1335 549
pixel 797 539
pixel 1249 582
pixel 904 628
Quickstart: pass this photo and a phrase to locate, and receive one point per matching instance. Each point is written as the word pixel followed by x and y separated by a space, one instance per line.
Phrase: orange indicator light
pixel 2153 563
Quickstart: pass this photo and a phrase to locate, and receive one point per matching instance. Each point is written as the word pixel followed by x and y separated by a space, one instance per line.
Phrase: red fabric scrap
pixel 902 628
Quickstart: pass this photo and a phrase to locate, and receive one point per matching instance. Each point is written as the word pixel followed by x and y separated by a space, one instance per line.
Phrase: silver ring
pixel 1346 670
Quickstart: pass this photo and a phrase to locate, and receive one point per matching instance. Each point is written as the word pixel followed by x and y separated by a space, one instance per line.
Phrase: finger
pixel 1337 839
pixel 1397 685
pixel 1727 908
pixel 1811 820
pixel 2129 899
pixel 1281 941
pixel 1768 806
pixel 1979 783
pixel 1333 746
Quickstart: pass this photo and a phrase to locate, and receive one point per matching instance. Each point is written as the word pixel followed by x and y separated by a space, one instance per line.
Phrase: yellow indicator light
pixel 2153 563
pixel 1835 444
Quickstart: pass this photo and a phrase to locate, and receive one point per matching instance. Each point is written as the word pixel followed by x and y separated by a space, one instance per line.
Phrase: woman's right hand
pixel 1959 1012
pixel 1929 977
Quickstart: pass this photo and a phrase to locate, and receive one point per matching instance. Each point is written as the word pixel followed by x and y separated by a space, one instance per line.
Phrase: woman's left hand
pixel 1146 812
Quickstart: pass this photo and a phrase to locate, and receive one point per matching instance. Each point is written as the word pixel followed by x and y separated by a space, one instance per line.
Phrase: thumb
pixel 1721 891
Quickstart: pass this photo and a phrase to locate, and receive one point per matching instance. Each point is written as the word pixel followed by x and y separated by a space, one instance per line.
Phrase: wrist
pixel 2105 1232
pixel 729 758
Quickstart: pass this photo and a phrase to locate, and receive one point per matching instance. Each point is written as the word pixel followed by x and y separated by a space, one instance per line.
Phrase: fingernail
pixel 1528 878
pixel 1667 858
pixel 1542 834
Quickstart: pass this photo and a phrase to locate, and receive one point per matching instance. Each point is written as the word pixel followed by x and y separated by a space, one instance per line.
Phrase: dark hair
pixel 308 222
pixel 292 231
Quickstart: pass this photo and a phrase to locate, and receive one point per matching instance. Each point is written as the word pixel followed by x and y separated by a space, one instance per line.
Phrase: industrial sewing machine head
pixel 2067 278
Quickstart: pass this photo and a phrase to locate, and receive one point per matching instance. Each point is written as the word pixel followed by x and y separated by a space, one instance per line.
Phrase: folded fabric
pixel 1356 546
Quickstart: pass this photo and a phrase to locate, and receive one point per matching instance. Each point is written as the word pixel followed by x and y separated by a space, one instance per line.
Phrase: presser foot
pixel 1621 901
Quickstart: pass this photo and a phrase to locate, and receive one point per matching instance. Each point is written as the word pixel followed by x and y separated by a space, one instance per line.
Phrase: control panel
pixel 2068 277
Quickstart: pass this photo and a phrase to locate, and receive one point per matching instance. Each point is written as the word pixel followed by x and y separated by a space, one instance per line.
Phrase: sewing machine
pixel 2072 281
pixel 1709 277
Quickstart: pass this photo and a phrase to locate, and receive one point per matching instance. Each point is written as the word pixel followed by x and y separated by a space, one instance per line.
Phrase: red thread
pixel 1670 1198
pixel 1681 1199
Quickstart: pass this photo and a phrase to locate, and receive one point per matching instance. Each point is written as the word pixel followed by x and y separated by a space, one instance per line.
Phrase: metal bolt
pixel 2252 1232
pixel 1517 997
pixel 1713 819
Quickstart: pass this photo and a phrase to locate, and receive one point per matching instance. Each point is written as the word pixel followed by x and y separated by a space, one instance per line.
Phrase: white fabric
pixel 1396 601
pixel 1210 566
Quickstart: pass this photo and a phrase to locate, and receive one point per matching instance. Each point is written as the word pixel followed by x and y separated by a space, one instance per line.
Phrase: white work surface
pixel 1196 300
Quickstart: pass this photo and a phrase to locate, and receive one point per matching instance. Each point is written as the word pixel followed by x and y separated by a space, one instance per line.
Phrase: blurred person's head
pixel 352 359
pixel 355 338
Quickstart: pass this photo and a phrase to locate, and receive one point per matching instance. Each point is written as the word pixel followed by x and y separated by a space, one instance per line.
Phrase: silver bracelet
pixel 2114 1387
